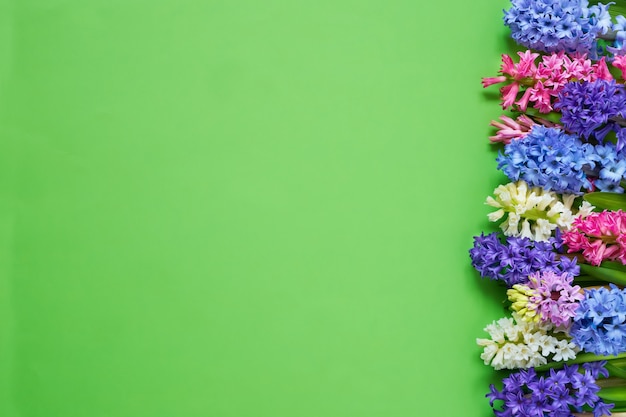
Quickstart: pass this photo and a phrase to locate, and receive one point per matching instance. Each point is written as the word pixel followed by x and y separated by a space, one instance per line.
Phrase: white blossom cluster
pixel 516 344
pixel 533 212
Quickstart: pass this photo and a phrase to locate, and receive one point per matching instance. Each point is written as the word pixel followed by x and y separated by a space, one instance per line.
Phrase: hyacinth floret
pixel 513 259
pixel 511 129
pixel 516 344
pixel 599 325
pixel 533 212
pixel 593 109
pixel 557 393
pixel 599 236
pixel 558 25
pixel 547 297
pixel 611 167
pixel 618 47
pixel 619 62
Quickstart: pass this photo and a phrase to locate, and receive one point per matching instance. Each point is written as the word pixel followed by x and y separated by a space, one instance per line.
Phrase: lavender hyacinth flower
pixel 547 297
pixel 593 109
pixel 515 259
pixel 558 25
pixel 558 393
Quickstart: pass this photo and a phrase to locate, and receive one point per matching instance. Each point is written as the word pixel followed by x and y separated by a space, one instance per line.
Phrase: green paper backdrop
pixel 244 208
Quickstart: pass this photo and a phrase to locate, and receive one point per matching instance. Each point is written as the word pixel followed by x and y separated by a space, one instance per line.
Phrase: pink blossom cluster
pixel 619 62
pixel 540 83
pixel 600 236
pixel 509 129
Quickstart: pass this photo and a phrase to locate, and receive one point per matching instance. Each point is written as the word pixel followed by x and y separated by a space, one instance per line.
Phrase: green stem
pixel 580 358
pixel 619 120
pixel 605 274
pixel 611 382
pixel 554 117
pixel 535 214
pixel 608 36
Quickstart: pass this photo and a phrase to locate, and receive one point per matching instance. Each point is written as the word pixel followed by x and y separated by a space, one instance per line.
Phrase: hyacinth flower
pixel 610 168
pixel 539 84
pixel 513 259
pixel 546 298
pixel 518 344
pixel 618 36
pixel 599 236
pixel 593 109
pixel 511 129
pixel 619 62
pixel 571 26
pixel 533 212
pixel 555 161
pixel 599 326
pixel 514 129
pixel 554 393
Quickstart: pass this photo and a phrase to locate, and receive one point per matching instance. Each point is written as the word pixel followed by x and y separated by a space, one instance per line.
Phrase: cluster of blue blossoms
pixel 526 394
pixel 517 258
pixel 549 158
pixel 559 25
pixel 600 323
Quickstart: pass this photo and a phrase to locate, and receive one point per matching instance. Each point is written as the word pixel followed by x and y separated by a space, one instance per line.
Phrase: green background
pixel 244 208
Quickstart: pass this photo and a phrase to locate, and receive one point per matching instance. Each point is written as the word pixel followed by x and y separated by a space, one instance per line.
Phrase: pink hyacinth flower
pixel 509 129
pixel 599 236
pixel 619 62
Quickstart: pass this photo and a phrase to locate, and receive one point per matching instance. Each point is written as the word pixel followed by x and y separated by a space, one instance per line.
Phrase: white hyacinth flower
pixel 533 213
pixel 565 350
pixel 516 343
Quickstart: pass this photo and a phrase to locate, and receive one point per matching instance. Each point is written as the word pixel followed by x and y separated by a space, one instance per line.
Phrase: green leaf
pixel 615 370
pixel 613 393
pixel 607 201
pixel 606 274
pixel 614 265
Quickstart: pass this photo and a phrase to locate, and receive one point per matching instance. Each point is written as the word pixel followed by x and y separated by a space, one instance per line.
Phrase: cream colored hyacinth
pixel 533 212
pixel 518 344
